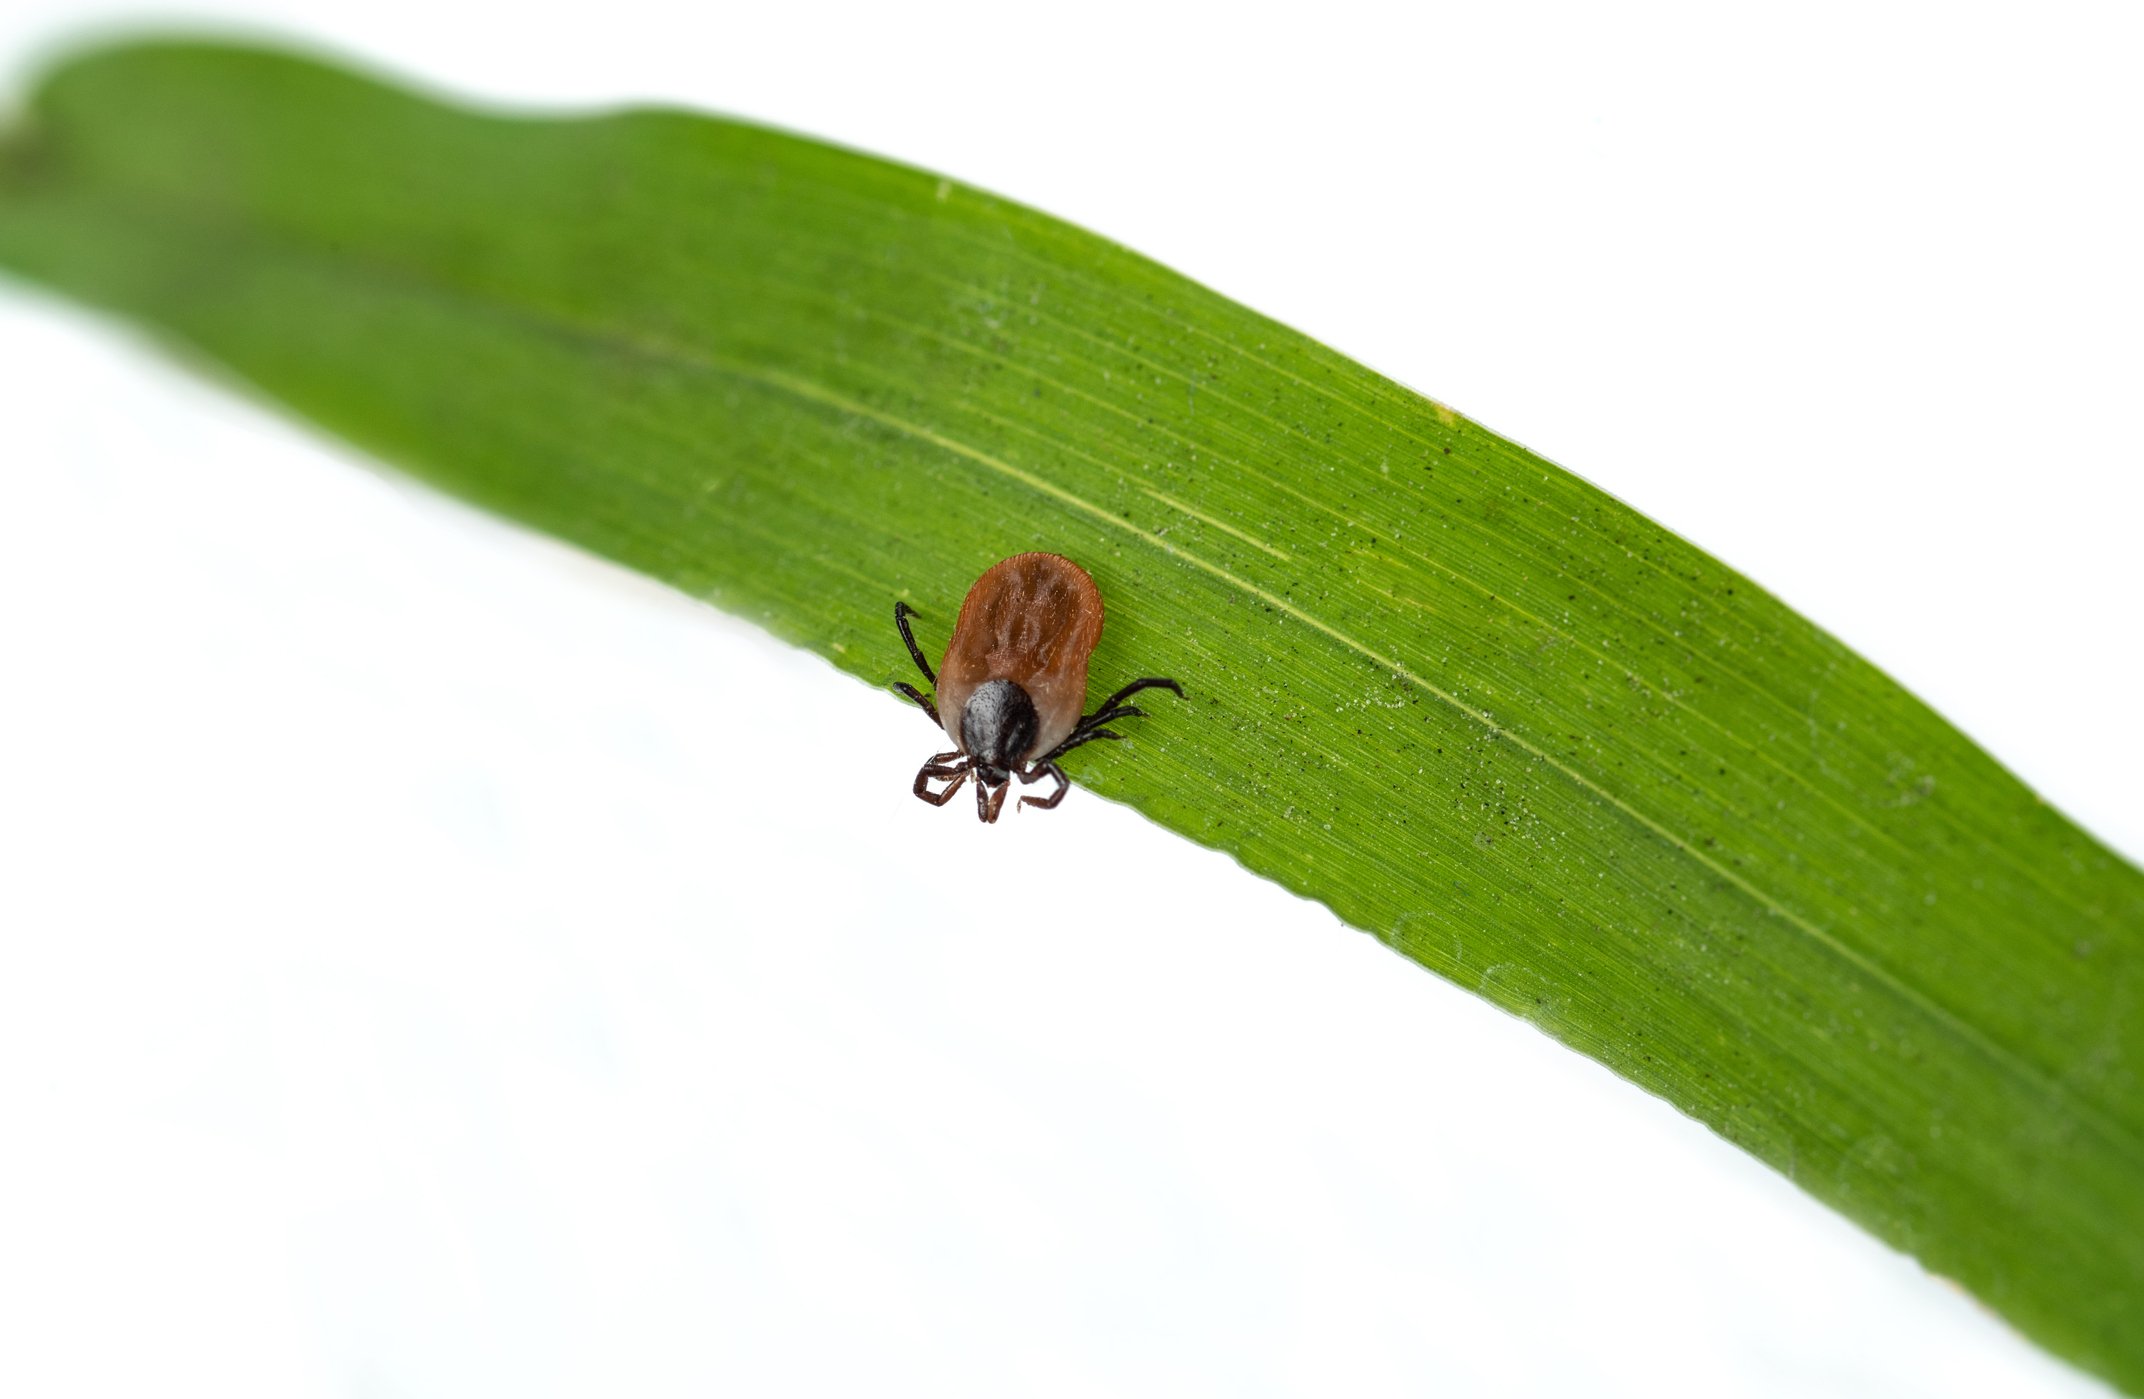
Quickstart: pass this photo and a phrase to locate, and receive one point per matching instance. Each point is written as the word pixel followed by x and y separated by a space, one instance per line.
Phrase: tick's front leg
pixel 1042 770
pixel 938 767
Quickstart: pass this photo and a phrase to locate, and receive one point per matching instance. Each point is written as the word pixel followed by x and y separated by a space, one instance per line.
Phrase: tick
pixel 1013 680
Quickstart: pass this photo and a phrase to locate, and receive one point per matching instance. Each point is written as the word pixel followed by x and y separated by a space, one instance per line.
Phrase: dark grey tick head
pixel 999 725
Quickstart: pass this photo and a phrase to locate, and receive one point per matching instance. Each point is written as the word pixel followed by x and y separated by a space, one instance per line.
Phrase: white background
pixel 427 966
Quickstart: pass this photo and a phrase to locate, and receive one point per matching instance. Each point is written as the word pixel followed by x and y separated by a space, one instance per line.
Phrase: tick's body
pixel 1013 680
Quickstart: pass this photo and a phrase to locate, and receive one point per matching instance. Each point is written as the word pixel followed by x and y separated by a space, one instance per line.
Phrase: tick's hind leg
pixel 918 696
pixel 939 767
pixel 1046 768
pixel 901 613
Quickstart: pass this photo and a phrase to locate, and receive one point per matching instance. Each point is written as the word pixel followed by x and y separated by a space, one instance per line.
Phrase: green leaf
pixel 1479 708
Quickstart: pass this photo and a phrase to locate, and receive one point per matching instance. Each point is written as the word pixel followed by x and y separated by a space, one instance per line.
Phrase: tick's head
pixel 998 727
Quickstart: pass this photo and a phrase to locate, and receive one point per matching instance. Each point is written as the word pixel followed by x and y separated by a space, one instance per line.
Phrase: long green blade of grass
pixel 1479 708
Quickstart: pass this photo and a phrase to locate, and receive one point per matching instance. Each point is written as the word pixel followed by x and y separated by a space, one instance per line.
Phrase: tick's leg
pixel 901 613
pixel 1150 683
pixel 1114 708
pixel 1046 768
pixel 917 695
pixel 1087 736
pixel 1109 716
pixel 988 799
pixel 940 767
